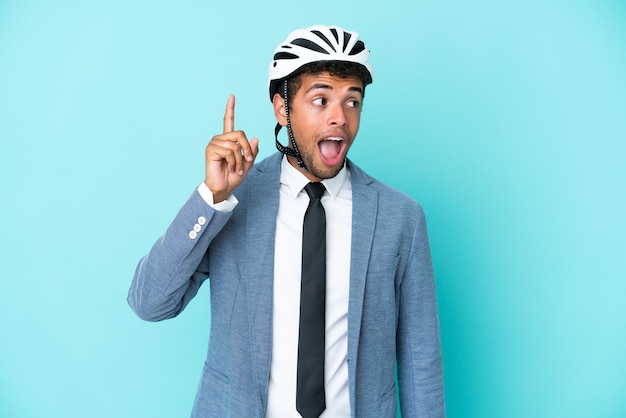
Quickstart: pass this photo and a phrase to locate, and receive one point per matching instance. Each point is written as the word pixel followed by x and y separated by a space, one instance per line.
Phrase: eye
pixel 354 103
pixel 320 101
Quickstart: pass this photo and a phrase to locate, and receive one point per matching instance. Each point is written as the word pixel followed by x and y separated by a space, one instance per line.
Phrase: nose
pixel 337 115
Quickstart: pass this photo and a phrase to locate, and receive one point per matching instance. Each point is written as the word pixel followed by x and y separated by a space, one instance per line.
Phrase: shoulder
pixel 389 197
pixel 263 175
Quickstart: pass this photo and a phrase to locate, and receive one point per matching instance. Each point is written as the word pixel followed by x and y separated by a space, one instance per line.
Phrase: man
pixel 245 227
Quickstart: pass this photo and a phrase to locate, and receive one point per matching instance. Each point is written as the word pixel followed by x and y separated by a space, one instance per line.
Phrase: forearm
pixel 169 276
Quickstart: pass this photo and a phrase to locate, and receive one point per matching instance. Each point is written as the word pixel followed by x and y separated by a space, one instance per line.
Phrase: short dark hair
pixel 340 69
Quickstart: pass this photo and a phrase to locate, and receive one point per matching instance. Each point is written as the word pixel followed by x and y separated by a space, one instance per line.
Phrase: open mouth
pixel 331 150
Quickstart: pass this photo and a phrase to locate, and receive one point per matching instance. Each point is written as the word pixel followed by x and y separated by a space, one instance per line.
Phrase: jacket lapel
pixel 262 208
pixel 364 212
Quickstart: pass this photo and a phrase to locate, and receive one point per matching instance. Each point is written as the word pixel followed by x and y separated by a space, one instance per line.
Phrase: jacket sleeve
pixel 169 276
pixel 420 369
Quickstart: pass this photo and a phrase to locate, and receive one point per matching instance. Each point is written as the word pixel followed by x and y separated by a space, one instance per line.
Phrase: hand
pixel 229 157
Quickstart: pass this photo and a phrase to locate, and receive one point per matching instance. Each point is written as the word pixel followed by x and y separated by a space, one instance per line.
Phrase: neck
pixel 294 162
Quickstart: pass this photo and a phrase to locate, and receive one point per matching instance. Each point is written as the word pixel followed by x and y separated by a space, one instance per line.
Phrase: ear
pixel 279 109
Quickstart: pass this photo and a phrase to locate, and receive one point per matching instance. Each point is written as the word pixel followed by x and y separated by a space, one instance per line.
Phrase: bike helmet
pixel 307 46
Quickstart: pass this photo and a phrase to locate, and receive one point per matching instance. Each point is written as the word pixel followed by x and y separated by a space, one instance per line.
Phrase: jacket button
pixel 202 220
pixel 197 227
pixel 193 234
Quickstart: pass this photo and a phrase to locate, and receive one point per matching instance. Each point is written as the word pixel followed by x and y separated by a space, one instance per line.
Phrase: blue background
pixel 506 120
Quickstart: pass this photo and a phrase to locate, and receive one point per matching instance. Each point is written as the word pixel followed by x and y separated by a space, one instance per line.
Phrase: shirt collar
pixel 295 180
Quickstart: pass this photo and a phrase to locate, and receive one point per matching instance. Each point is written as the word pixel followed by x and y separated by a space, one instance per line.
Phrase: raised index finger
pixel 229 116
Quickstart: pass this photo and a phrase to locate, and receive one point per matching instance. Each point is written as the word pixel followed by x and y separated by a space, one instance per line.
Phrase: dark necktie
pixel 310 400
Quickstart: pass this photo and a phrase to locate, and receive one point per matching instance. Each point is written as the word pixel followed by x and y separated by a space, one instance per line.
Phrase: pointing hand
pixel 229 157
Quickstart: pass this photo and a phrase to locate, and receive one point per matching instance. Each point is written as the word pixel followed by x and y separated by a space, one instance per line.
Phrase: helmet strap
pixel 294 152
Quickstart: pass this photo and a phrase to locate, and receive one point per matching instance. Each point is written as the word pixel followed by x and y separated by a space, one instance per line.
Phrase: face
pixel 325 115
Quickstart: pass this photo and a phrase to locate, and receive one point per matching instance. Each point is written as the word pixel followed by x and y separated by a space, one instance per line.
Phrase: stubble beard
pixel 326 173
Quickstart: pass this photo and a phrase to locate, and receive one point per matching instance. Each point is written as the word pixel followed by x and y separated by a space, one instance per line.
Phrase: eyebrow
pixel 328 87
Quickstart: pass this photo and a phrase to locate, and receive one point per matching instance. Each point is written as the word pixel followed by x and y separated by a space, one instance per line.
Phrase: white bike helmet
pixel 306 46
pixel 315 44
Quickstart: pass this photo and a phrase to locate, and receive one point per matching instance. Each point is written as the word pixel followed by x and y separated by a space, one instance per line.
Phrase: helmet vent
pixel 324 38
pixel 285 56
pixel 358 47
pixel 334 32
pixel 305 43
pixel 346 39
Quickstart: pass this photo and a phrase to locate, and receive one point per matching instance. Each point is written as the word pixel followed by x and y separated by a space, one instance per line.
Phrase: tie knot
pixel 315 190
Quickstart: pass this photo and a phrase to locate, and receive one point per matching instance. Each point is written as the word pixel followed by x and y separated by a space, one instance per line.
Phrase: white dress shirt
pixel 293 201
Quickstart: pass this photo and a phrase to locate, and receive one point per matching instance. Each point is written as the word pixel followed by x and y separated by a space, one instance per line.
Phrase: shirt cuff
pixel 207 195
